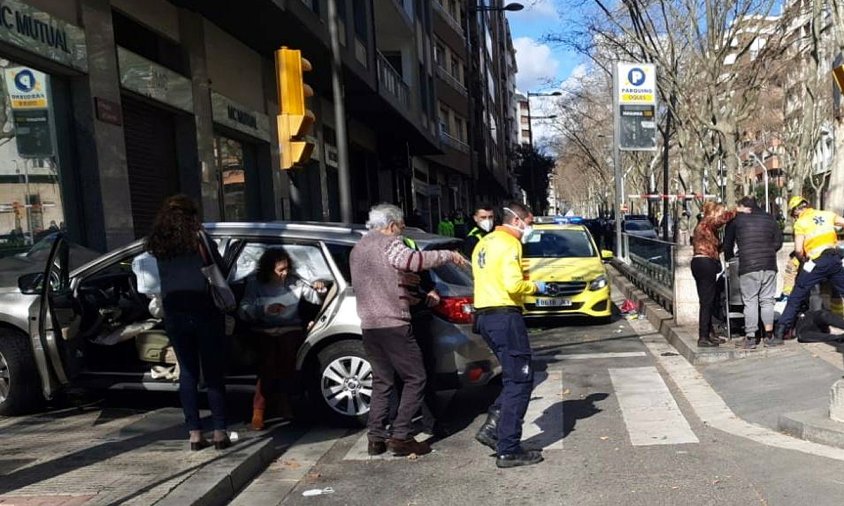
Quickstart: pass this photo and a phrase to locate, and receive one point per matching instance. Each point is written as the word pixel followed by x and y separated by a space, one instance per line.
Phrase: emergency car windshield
pixel 558 244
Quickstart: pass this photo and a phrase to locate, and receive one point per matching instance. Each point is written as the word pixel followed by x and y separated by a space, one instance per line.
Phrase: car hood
pixel 564 269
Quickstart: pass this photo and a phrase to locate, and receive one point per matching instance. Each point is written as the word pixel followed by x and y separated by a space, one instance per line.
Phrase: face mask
pixel 485 225
pixel 526 233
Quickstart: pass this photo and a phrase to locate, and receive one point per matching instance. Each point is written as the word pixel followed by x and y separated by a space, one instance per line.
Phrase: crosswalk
pixel 649 411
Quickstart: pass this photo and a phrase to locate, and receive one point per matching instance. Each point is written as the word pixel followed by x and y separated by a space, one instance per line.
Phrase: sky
pixel 542 66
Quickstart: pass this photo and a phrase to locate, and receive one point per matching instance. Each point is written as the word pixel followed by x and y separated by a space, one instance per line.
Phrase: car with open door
pixel 93 328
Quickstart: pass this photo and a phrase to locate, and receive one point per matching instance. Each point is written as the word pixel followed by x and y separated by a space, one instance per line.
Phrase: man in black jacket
pixel 758 237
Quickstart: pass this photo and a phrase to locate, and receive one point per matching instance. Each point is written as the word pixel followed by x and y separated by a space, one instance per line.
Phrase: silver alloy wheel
pixel 5 379
pixel 347 385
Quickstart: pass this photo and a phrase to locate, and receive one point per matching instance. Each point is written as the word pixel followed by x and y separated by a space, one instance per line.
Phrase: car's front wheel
pixel 343 383
pixel 19 387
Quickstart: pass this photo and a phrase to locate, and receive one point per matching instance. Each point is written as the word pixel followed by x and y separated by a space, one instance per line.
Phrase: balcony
pixel 453 142
pixel 446 76
pixel 390 81
pixel 447 17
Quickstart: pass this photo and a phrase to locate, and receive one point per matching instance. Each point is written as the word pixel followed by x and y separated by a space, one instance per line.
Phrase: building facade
pixel 110 106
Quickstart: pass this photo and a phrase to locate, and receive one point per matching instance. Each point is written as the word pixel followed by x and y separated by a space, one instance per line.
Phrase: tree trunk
pixel 836 177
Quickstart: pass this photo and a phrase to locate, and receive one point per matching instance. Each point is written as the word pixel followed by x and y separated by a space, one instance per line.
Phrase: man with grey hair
pixel 379 265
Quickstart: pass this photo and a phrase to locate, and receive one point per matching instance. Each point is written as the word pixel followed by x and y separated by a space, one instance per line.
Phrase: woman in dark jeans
pixel 706 264
pixel 195 326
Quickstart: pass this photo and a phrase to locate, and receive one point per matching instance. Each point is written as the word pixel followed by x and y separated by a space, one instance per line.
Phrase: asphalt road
pixel 614 427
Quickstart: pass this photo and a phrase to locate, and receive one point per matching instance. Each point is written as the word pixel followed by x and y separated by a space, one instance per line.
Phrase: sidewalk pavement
pixel 94 455
pixel 785 388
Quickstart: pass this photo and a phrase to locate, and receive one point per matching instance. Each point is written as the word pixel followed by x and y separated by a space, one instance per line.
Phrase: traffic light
pixel 294 119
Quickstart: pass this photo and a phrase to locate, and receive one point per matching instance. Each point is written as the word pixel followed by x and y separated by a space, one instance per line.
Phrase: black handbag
pixel 221 292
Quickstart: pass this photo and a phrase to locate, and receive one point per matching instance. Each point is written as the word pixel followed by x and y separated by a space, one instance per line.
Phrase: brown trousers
pixel 277 367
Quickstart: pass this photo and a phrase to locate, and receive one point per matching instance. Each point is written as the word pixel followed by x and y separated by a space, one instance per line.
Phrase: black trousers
pixel 705 271
pixel 394 351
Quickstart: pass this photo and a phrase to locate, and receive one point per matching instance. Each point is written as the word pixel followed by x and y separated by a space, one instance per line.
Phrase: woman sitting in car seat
pixel 271 306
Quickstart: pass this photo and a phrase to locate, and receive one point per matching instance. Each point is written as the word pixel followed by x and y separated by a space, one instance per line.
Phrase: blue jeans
pixel 507 336
pixel 198 337
pixel 827 268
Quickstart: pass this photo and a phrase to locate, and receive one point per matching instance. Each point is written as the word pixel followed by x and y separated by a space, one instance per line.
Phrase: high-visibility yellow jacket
pixel 497 268
pixel 818 228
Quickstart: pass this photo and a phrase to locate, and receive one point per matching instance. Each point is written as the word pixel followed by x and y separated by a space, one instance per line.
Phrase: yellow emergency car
pixel 562 253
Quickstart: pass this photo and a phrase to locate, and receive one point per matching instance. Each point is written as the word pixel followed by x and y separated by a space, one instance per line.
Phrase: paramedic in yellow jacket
pixel 499 288
pixel 816 246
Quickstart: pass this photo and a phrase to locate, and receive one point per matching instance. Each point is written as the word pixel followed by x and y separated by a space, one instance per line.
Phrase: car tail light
pixel 475 374
pixel 456 309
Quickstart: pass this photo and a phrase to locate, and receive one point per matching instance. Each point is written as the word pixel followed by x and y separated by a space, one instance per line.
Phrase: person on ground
pixel 484 221
pixel 815 246
pixel 499 289
pixel 821 326
pixel 270 305
pixel 706 266
pixel 193 323
pixel 758 237
pixel 379 263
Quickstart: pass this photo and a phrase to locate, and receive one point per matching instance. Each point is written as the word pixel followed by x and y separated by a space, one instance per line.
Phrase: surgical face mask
pixel 485 225
pixel 526 233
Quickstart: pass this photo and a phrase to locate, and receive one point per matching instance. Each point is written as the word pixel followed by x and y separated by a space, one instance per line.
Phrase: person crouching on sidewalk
pixel 378 263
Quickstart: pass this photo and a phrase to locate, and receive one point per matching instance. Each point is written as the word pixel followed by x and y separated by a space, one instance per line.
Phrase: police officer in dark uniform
pixel 484 218
pixel 499 289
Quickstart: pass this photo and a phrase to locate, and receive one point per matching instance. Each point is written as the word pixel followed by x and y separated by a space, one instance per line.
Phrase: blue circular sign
pixel 636 76
pixel 25 81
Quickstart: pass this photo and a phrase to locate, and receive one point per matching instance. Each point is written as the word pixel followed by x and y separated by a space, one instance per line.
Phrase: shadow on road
pixel 559 420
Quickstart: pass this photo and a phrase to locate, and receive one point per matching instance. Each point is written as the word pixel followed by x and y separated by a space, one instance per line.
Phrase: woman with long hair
pixel 271 305
pixel 706 265
pixel 195 326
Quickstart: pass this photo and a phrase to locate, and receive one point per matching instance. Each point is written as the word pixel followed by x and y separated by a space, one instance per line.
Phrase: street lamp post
pixel 474 9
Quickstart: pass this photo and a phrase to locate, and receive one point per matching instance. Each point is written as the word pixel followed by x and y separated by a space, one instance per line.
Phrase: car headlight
pixel 598 283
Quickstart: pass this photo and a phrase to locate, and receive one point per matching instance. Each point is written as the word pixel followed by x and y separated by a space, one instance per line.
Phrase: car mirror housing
pixel 606 255
pixel 30 284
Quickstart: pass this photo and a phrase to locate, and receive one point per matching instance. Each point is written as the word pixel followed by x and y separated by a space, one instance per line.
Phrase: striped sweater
pixel 377 263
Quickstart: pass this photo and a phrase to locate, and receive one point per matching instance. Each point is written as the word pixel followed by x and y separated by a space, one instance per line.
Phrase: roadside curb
pixel 218 482
pixel 813 425
pixel 683 339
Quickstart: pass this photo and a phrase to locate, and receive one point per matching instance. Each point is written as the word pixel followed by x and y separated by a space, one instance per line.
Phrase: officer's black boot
pixel 777 338
pixel 488 433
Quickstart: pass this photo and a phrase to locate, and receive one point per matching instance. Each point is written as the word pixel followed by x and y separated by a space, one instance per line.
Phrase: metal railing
pixel 652 264
pixel 455 83
pixel 453 142
pixel 390 80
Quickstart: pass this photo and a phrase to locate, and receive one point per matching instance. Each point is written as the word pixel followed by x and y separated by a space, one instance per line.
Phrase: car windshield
pixel 558 244
pixel 638 225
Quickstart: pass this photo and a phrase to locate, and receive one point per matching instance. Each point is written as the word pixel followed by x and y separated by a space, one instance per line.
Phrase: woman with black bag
pixel 194 324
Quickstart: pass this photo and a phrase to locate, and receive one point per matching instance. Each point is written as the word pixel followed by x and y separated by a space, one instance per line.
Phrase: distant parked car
pixel 640 228
pixel 91 327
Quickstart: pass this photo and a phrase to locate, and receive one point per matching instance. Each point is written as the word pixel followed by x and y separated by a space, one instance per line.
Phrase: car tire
pixel 345 402
pixel 19 384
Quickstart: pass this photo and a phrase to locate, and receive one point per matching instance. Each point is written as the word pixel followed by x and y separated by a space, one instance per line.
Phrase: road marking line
pixel 650 412
pixel 589 356
pixel 711 408
pixel 544 417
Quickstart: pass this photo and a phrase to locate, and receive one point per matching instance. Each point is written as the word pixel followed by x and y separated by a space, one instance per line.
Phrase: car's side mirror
pixel 606 255
pixel 30 284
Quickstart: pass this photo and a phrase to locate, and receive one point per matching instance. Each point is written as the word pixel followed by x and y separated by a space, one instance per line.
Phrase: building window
pixel 230 164
pixel 142 41
pixel 457 68
pixel 439 54
pixel 361 27
pixel 460 128
pixel 444 121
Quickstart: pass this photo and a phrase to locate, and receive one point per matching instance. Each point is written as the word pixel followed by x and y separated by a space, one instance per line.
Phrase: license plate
pixel 553 302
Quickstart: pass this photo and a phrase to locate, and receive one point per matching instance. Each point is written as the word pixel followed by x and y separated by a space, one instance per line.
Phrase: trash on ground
pixel 318 491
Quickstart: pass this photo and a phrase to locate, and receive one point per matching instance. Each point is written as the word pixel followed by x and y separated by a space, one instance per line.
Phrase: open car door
pixel 55 319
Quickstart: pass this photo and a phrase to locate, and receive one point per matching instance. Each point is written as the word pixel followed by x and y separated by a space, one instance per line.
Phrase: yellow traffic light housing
pixel 294 119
